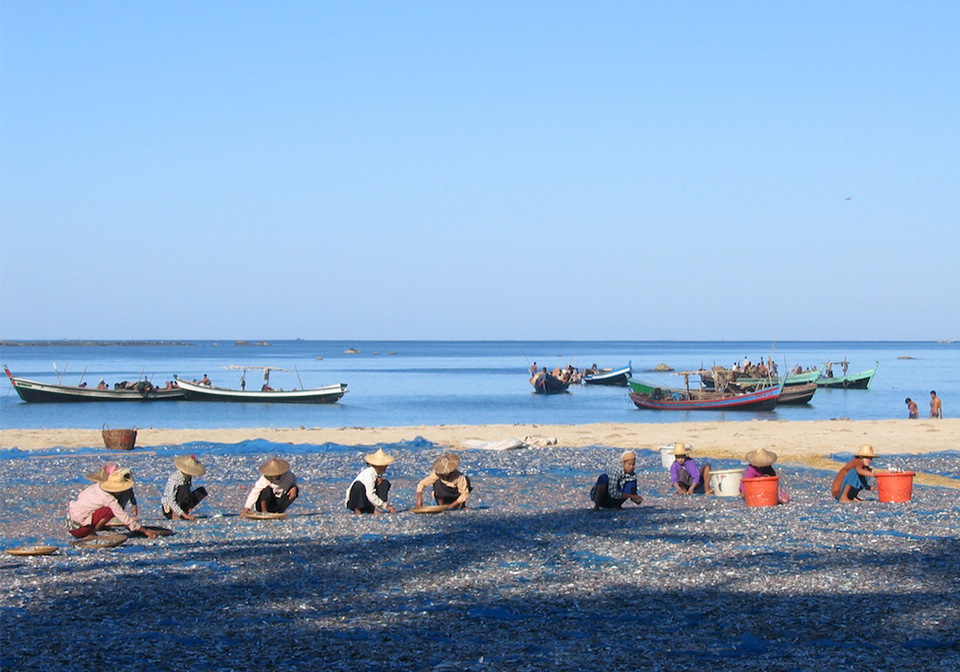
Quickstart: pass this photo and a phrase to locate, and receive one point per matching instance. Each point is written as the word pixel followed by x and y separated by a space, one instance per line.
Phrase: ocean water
pixel 400 383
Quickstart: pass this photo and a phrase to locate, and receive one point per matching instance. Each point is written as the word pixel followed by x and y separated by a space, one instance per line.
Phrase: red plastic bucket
pixel 761 491
pixel 896 486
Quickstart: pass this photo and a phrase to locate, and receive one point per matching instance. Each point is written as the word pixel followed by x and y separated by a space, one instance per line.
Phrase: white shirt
pixel 287 481
pixel 367 476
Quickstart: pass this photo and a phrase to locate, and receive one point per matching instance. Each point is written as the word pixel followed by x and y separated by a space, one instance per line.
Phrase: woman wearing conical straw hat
pixel 124 498
pixel 369 490
pixel 97 504
pixel 851 480
pixel 686 476
pixel 178 500
pixel 760 463
pixel 450 487
pixel 275 490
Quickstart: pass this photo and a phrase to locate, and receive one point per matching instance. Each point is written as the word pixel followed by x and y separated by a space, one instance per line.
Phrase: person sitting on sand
pixel 97 505
pixel 450 487
pixel 275 490
pixel 685 475
pixel 178 499
pixel 759 464
pixel 852 477
pixel 913 411
pixel 618 485
pixel 369 490
pixel 127 497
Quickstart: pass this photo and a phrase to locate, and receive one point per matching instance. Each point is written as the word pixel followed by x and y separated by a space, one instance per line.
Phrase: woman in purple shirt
pixel 685 475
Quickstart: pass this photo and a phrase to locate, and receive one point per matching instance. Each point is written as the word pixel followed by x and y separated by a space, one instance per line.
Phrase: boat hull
pixel 547 384
pixel 797 394
pixel 761 400
pixel 855 381
pixel 32 391
pixel 321 395
pixel 617 377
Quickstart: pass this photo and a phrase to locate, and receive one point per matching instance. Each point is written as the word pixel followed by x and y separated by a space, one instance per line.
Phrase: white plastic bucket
pixel 666 456
pixel 726 482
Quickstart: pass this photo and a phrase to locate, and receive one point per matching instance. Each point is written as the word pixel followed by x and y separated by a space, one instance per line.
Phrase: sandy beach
pixel 528 578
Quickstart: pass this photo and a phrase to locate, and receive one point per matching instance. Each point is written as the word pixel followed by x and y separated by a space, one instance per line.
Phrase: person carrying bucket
pixel 685 475
pixel 852 477
pixel 760 463
pixel 614 488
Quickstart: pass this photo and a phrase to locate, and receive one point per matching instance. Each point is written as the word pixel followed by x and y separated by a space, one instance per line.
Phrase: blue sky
pixel 468 170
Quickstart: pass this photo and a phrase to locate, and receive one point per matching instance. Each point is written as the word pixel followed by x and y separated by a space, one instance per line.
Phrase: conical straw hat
pixel 119 481
pixel 446 464
pixel 761 457
pixel 680 448
pixel 189 465
pixel 378 459
pixel 100 475
pixel 274 467
pixel 866 450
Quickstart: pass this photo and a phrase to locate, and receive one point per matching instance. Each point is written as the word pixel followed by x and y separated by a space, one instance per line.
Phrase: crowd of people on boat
pixel 110 499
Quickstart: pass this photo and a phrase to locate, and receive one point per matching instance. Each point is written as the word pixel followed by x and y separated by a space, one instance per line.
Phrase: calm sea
pixel 398 383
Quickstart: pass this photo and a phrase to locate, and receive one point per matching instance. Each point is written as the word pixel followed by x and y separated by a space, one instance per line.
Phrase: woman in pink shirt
pixel 97 504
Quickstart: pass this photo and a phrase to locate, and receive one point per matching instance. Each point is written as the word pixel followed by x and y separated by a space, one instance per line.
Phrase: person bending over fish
pixel 275 490
pixel 851 480
pixel 97 505
pixel 369 490
pixel 685 475
pixel 178 499
pixel 450 487
pixel 618 485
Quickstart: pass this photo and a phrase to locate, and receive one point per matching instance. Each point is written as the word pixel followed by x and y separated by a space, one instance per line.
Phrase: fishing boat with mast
pixel 35 391
pixel 201 391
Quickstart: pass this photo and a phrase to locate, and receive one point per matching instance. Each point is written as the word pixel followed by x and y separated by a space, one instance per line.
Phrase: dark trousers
pixel 444 494
pixel 357 501
pixel 268 502
pixel 186 499
pixel 600 493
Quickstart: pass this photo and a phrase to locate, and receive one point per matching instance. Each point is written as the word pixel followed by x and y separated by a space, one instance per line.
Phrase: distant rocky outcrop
pixel 663 367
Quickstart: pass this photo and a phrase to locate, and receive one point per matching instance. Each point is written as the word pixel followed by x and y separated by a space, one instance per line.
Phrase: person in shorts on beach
pixel 178 499
pixel 97 505
pixel 125 498
pixel 852 477
pixel 450 487
pixel 615 487
pixel 685 475
pixel 275 490
pixel 936 406
pixel 913 412
pixel 369 490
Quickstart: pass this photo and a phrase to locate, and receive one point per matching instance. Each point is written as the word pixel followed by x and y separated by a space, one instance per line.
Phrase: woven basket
pixel 119 439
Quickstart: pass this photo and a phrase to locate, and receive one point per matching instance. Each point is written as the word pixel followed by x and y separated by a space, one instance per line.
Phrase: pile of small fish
pixel 529 578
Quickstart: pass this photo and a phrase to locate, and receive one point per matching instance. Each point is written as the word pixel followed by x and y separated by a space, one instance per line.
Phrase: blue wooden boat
pixel 618 377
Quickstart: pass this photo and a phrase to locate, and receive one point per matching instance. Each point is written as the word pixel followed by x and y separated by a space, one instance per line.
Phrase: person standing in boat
pixel 178 500
pixel 615 487
pixel 913 411
pixel 275 490
pixel 97 505
pixel 450 487
pixel 369 490
pixel 686 476
pixel 851 480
